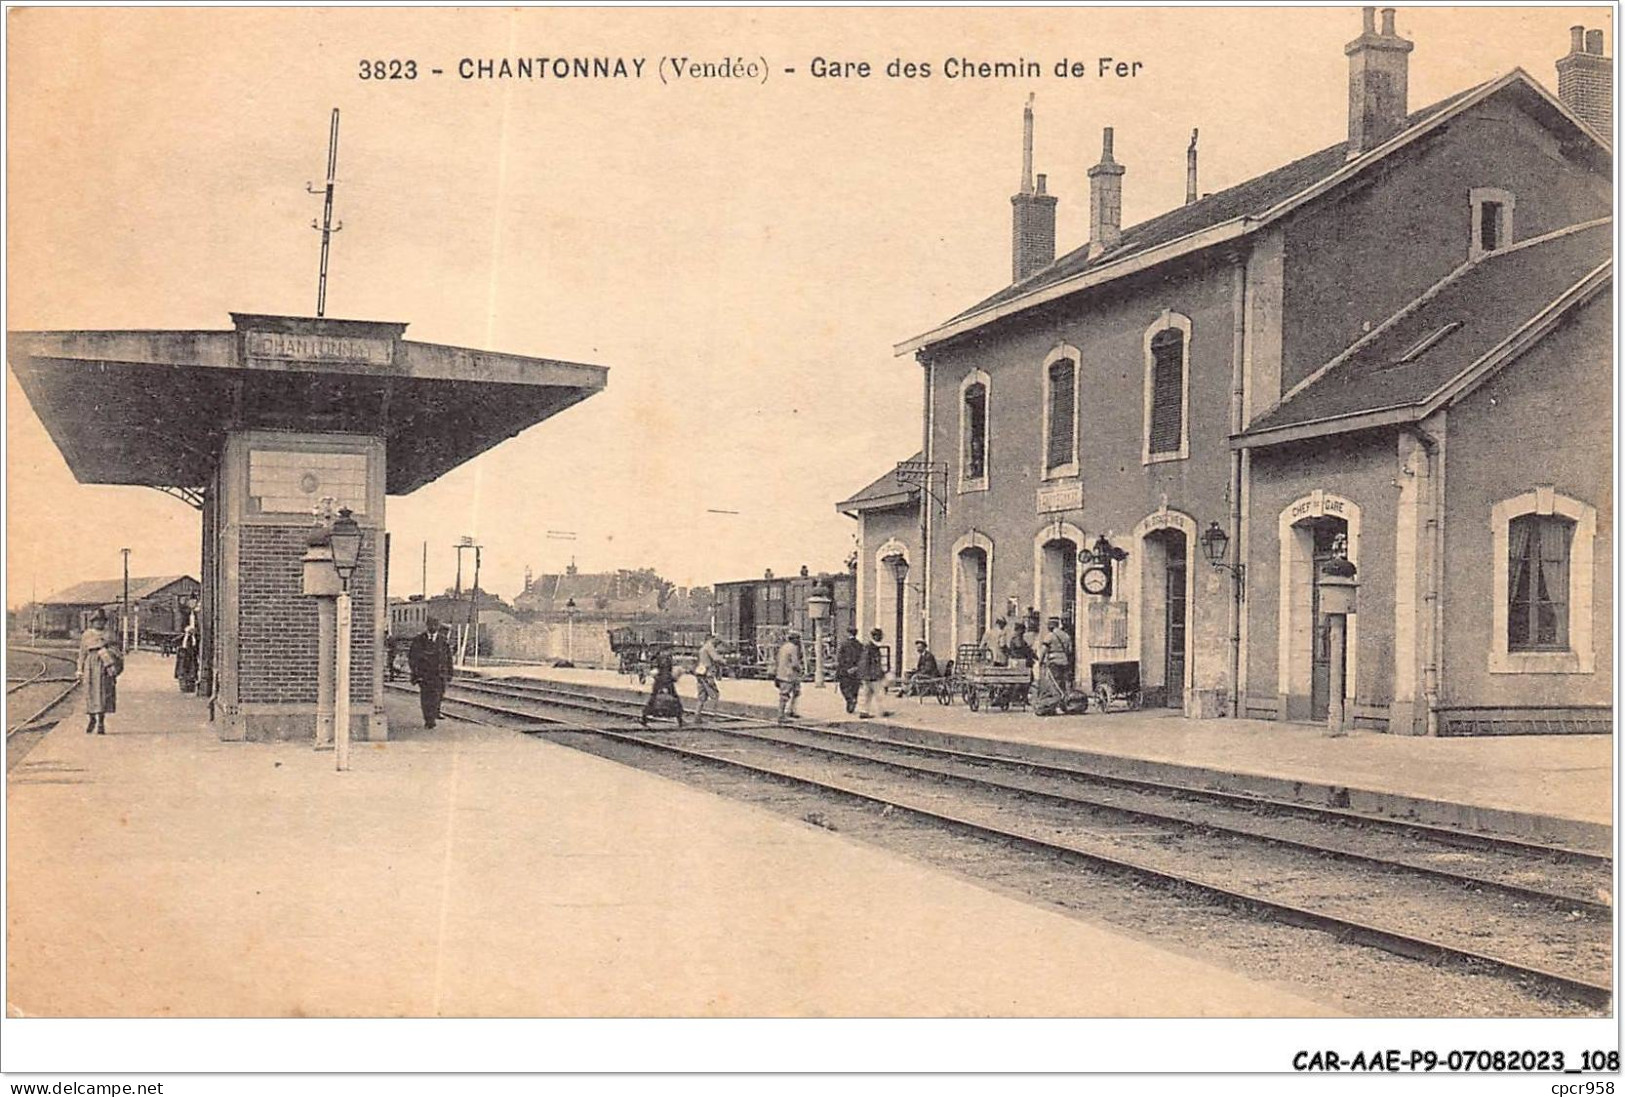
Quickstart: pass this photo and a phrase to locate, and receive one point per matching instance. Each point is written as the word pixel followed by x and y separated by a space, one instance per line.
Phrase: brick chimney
pixel 1032 218
pixel 1585 81
pixel 1378 78
pixel 1105 200
pixel 1190 170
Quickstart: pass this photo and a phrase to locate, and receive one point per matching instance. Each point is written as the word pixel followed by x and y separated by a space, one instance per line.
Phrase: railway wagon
pixel 754 615
pixel 635 645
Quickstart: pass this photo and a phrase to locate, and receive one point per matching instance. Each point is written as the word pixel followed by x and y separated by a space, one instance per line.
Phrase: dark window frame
pixel 1165 425
pixel 1061 448
pixel 974 409
pixel 1540 552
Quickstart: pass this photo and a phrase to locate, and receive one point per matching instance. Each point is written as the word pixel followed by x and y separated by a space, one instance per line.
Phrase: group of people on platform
pixel 1009 644
pixel 861 669
pixel 1006 644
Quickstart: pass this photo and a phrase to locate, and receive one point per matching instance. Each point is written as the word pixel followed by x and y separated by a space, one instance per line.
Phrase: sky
pixel 743 255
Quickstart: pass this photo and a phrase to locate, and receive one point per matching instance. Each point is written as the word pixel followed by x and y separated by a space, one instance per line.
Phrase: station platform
pixel 473 871
pixel 1555 788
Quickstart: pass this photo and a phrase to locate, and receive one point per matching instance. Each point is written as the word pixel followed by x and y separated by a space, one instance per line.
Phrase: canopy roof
pixel 153 407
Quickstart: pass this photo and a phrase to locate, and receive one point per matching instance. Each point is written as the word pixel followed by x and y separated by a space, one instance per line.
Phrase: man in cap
pixel 429 658
pixel 787 671
pixel 1057 653
pixel 872 671
pixel 707 669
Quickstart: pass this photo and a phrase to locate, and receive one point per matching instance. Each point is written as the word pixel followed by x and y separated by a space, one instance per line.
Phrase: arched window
pixel 1060 440
pixel 1167 388
pixel 973 432
pixel 1538 582
pixel 1543 546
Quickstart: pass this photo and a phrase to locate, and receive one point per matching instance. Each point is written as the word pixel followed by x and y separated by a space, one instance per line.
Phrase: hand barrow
pixel 1116 684
pixel 1000 687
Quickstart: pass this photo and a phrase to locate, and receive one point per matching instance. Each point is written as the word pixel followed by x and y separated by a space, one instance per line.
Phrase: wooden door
pixel 1174 624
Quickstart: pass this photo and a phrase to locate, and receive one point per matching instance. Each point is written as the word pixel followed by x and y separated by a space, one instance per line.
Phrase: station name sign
pixel 1060 497
pixel 288 346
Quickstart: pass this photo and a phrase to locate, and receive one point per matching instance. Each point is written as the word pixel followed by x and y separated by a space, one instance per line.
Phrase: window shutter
pixel 1167 391
pixel 1063 415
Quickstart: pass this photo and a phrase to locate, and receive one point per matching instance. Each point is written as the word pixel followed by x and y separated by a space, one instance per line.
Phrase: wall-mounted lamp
pixel 1215 546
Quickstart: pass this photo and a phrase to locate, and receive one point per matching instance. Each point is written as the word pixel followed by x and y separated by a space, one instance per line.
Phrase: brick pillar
pixel 269 628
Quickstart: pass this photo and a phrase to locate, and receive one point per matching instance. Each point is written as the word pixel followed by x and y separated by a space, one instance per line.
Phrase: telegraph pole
pixel 327 227
pixel 124 618
pixel 474 609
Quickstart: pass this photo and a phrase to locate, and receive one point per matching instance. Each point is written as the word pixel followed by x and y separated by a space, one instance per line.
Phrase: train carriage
pixel 753 616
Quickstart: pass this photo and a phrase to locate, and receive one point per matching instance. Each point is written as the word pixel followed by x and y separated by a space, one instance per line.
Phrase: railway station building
pixel 256 426
pixel 1396 350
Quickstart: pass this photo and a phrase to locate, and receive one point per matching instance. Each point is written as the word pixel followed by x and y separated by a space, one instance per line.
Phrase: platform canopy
pixel 153 407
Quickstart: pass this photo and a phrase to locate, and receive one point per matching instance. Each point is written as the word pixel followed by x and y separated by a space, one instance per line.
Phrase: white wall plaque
pixel 1060 497
pixel 295 482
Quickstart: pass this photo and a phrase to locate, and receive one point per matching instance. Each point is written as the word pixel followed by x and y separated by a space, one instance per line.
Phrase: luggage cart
pixel 1115 684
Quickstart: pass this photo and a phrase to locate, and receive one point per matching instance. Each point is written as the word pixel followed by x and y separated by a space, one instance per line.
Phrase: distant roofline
pixel 136 583
pixel 1237 227
pixel 852 507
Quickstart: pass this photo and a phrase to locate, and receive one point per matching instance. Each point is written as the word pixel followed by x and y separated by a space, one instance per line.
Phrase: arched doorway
pixel 973 588
pixel 891 598
pixel 1160 588
pixel 1055 573
pixel 1164 617
pixel 1312 530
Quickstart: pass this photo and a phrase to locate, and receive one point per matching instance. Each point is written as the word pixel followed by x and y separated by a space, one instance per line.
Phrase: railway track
pixel 39 677
pixel 1441 894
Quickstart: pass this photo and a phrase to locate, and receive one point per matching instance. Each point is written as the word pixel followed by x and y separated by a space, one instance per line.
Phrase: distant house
pixel 622 593
pixel 155 605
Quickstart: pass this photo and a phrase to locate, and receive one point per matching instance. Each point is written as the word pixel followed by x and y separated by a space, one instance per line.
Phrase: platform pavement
pixel 1545 787
pixel 473 871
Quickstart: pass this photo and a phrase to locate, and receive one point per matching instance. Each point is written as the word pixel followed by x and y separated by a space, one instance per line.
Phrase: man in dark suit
pixel 848 659
pixel 430 660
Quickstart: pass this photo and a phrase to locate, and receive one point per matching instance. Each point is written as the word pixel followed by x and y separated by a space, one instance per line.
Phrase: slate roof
pixel 887 491
pixel 104 592
pixel 1254 196
pixel 1467 315
pixel 1249 205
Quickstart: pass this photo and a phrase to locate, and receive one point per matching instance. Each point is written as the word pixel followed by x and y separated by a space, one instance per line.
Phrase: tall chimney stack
pixel 1032 219
pixel 1105 200
pixel 1190 170
pixel 1585 81
pixel 1379 65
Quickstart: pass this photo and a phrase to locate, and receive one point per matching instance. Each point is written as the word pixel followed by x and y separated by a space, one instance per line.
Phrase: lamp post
pixel 345 540
pixel 899 568
pixel 1337 600
pixel 1215 545
pixel 570 631
pixel 818 609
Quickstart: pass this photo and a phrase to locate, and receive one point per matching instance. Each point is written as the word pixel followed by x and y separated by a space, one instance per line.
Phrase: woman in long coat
pixel 96 671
